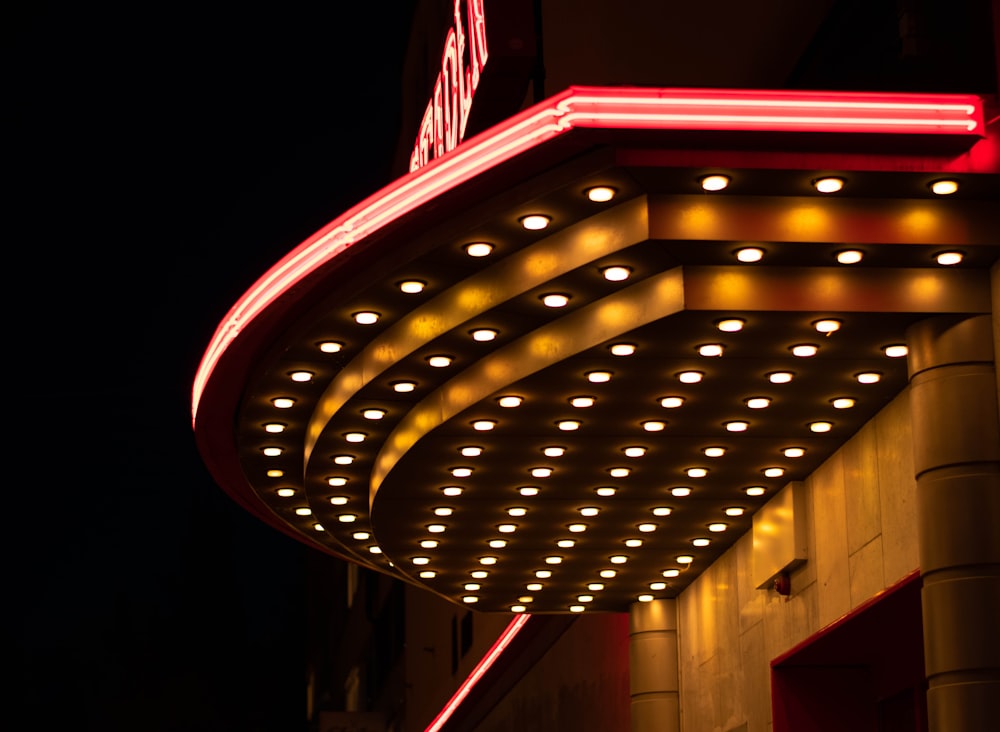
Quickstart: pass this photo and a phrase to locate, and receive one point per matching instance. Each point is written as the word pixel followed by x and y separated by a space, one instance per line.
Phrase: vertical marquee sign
pixel 462 62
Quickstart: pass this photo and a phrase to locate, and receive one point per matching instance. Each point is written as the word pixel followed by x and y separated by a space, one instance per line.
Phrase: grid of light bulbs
pixel 612 273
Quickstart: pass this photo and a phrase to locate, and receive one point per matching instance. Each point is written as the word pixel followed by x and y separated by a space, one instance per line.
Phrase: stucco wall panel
pixel 867 577
pixel 897 489
pixel 828 538
pixel 861 488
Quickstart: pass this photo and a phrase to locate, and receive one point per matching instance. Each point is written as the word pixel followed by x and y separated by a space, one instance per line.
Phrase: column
pixel 653 666
pixel 956 447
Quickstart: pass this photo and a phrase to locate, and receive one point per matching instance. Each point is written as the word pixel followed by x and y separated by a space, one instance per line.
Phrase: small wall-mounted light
pixel 783 584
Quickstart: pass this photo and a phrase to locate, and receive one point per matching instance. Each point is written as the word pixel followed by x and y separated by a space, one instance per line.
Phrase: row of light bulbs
pixel 827 184
pixel 620 273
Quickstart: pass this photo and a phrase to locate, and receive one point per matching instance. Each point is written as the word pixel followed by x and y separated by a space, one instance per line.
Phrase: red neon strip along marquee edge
pixel 589 107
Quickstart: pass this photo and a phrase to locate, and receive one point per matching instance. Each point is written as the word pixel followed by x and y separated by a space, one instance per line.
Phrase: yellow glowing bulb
pixel 944 187
pixel 750 254
pixel 412 287
pixel 828 185
pixel 479 249
pixel 601 194
pixel 714 182
pixel 535 222
pixel 730 325
pixel 616 274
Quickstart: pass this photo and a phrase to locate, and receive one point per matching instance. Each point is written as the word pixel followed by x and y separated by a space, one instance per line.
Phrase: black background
pixel 160 157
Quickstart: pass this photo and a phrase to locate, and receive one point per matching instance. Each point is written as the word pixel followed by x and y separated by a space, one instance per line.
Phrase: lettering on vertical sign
pixel 462 61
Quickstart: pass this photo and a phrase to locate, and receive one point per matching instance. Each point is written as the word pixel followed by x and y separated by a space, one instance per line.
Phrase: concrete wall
pixel 861 518
pixel 428 657
pixel 581 684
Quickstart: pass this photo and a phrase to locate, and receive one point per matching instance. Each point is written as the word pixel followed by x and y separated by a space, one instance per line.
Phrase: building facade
pixel 653 394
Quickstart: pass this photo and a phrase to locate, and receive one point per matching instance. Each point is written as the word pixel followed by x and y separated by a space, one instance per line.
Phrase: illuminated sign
pixel 462 62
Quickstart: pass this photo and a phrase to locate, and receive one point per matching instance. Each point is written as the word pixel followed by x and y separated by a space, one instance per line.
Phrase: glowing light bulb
pixel 749 254
pixel 714 182
pixel 828 185
pixel 535 222
pixel 601 194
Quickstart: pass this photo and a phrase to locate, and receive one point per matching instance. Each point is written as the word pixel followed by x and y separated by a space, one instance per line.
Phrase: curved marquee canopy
pixel 558 370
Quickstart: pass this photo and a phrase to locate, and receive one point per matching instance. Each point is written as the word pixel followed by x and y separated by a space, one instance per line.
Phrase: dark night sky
pixel 159 158
pixel 162 157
